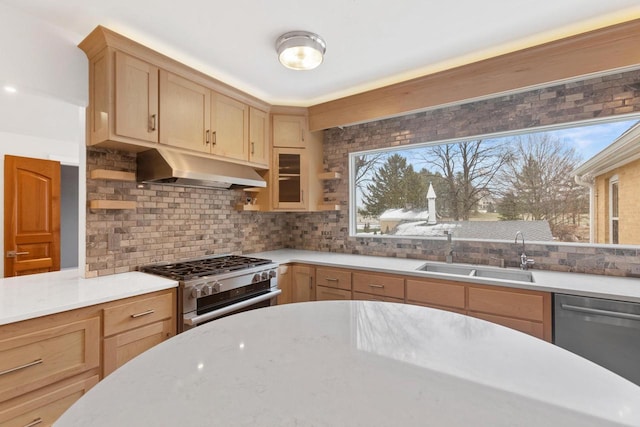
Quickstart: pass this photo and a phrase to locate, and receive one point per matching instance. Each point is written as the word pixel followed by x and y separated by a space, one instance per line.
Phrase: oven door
pixel 228 303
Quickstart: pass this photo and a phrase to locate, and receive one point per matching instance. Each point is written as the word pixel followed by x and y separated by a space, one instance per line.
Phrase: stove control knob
pixel 256 278
pixel 265 275
pixel 206 290
pixel 195 292
pixel 272 273
pixel 215 288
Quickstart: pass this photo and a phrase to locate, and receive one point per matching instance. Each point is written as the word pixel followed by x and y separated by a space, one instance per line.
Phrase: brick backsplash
pixel 592 98
pixel 171 223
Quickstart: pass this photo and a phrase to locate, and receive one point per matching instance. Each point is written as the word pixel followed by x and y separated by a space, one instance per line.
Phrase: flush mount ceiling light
pixel 300 50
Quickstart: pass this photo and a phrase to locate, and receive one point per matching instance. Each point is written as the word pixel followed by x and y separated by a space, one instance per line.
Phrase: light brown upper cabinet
pixel 289 131
pixel 230 127
pixel 291 182
pixel 297 162
pixel 259 137
pixel 186 113
pixel 123 99
pixel 136 93
pixel 139 98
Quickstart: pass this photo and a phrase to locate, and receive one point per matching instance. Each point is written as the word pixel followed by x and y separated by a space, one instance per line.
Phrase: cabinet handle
pixel 302 196
pixel 215 140
pixel 253 147
pixel 34 422
pixel 144 313
pixel 302 134
pixel 376 286
pixel 310 283
pixel 206 136
pixel 19 368
pixel 152 123
pixel 330 279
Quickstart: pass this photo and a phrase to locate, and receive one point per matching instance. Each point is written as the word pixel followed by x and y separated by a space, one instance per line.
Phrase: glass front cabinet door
pixel 291 179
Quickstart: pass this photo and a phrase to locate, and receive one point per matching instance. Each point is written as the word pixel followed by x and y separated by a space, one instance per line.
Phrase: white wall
pixel 45 118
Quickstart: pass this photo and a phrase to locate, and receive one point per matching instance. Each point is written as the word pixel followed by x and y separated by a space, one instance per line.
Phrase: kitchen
pixel 115 247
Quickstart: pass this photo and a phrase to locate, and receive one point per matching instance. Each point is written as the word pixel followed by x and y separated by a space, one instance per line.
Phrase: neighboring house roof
pixel 404 215
pixel 497 230
pixel 623 150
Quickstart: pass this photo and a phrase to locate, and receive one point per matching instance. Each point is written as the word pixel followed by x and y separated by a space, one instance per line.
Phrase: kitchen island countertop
pixel 591 285
pixel 357 363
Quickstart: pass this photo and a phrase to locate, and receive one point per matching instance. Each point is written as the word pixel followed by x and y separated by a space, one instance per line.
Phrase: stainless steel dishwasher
pixel 604 331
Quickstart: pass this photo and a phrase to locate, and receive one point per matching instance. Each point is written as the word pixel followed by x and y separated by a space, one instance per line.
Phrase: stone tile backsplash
pixel 170 223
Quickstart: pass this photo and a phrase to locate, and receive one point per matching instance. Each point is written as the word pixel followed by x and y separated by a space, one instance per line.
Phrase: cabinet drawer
pixel 369 297
pixel 439 307
pixel 325 294
pixel 387 286
pixel 447 294
pixel 137 313
pixel 121 348
pixel 44 407
pixel 528 305
pixel 333 278
pixel 528 327
pixel 31 361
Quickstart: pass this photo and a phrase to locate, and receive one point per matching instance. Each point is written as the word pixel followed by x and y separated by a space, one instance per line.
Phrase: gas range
pixel 219 285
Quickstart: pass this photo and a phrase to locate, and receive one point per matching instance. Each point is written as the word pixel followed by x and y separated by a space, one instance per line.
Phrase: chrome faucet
pixel 525 261
pixel 449 256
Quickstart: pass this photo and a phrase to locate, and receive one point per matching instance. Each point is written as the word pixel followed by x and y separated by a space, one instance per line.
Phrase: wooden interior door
pixel 31 216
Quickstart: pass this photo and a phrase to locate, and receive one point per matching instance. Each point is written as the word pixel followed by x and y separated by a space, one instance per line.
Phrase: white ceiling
pixel 370 43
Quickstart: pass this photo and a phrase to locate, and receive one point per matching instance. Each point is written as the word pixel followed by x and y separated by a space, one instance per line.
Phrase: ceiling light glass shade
pixel 300 50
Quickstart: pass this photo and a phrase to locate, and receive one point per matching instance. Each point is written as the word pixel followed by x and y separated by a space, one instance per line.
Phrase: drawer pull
pixel 18 368
pixel 376 286
pixel 34 422
pixel 144 313
pixel 330 279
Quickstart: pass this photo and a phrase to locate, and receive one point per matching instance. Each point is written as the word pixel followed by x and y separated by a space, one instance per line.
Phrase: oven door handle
pixel 193 321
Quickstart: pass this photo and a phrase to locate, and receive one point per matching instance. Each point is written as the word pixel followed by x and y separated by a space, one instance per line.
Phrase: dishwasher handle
pixel 588 310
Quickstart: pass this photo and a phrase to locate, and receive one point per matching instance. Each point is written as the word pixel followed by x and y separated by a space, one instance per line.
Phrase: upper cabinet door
pixel 258 137
pixel 289 131
pixel 230 119
pixel 136 98
pixel 186 113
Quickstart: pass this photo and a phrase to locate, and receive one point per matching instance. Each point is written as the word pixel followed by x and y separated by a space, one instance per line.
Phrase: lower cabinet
pixel 284 283
pixel 324 293
pixel 302 278
pixel 48 362
pixel 44 407
pixel 524 310
pixel 135 326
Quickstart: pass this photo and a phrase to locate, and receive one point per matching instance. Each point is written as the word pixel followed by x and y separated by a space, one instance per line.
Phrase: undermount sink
pixel 475 271
pixel 459 270
pixel 511 275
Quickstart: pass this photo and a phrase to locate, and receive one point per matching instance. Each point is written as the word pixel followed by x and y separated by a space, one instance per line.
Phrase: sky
pixel 590 140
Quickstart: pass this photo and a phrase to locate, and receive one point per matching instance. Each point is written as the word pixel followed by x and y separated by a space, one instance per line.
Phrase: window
pixel 613 209
pixel 486 187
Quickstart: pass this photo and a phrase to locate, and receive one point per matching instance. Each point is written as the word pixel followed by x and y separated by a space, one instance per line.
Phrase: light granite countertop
pixel 27 297
pixel 357 363
pixel 609 287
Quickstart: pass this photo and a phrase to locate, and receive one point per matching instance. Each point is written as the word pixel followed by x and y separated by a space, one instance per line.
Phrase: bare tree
pixel 468 168
pixel 539 174
pixel 365 166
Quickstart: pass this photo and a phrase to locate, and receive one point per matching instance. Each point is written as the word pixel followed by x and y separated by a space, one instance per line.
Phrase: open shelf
pixel 111 204
pixel 331 207
pixel 247 208
pixel 329 175
pixel 112 175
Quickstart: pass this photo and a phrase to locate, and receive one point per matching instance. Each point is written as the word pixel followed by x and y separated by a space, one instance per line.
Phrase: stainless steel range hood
pixel 164 166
